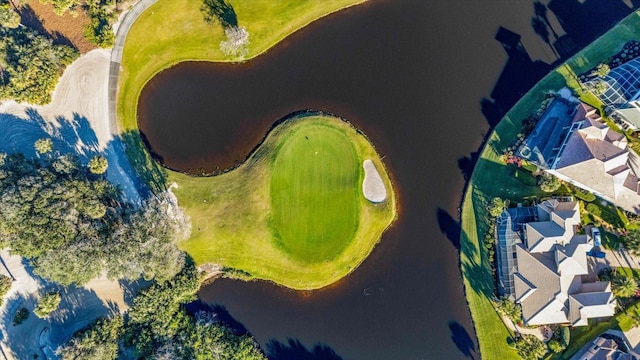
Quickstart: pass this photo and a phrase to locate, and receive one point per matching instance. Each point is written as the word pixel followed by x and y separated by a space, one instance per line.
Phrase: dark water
pixel 424 80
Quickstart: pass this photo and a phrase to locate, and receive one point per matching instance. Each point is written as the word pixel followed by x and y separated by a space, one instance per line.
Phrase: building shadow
pixel 294 350
pixel 519 74
pixel 462 339
pixel 584 20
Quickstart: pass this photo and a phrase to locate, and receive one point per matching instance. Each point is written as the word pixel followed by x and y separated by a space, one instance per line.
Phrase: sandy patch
pixel 372 186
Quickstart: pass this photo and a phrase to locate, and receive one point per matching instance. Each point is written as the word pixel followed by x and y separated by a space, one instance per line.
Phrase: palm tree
pixel 625 287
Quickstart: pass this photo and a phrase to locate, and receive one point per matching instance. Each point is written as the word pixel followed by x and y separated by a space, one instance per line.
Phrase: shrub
pixel 555 346
pixel 584 195
pixel 21 315
pixel 549 183
pixel 565 336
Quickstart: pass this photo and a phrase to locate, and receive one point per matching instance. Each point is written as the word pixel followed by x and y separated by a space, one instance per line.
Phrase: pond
pixel 423 80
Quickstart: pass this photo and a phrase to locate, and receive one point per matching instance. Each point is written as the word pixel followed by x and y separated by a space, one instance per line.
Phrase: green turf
pixel 314 193
pixel 234 214
pixel 173 31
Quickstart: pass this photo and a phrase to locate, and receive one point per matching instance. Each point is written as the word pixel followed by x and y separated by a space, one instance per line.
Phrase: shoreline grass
pixel 174 31
pixel 491 178
pixel 231 214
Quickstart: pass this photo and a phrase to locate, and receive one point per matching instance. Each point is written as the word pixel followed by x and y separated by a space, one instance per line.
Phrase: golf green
pixel 314 193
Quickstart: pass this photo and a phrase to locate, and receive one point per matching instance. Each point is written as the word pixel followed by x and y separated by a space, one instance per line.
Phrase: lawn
pixel 492 178
pixel 287 214
pixel 314 193
pixel 173 31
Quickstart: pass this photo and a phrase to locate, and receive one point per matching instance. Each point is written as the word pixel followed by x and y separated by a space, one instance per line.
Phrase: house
pixel 549 273
pixel 620 92
pixel 603 349
pixel 573 143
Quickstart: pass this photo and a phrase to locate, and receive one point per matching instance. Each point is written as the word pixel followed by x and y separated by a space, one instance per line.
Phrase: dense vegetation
pixel 101 14
pixel 31 65
pixel 70 223
pixel 9 17
pixel 158 327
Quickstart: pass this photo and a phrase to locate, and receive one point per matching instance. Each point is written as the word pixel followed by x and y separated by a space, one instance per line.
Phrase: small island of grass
pixel 294 212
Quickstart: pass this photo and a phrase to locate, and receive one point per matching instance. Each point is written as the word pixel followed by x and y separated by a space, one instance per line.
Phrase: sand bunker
pixel 372 186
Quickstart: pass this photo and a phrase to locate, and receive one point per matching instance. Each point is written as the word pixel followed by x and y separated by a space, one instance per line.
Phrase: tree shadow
pixel 30 19
pixel 221 312
pixel 131 288
pixel 449 227
pixel 130 148
pixel 130 167
pixel 462 339
pixel 295 350
pixel 519 74
pixel 584 20
pixel 467 163
pixel 221 11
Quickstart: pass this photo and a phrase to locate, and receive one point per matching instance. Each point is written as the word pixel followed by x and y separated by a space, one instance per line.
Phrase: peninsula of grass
pixel 174 31
pixel 294 212
pixel 492 178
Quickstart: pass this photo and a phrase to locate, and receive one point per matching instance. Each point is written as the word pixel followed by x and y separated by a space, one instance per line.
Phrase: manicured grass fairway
pixel 314 193
pixel 326 227
pixel 491 178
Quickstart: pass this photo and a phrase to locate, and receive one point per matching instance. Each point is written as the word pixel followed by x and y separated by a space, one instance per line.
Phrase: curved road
pixel 116 57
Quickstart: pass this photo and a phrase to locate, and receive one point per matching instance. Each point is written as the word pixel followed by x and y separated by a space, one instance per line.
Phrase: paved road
pixel 116 57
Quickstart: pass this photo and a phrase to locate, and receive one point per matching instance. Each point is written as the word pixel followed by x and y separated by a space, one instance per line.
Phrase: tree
pixel 47 304
pixel 602 70
pixel 99 341
pixel 31 65
pixel 62 6
pixel 549 183
pixel 625 287
pixel 43 146
pixel 9 17
pixel 631 241
pixel 236 42
pixel 497 206
pixel 98 165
